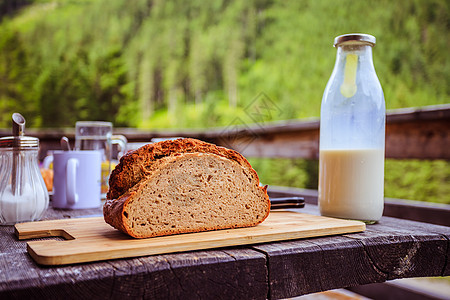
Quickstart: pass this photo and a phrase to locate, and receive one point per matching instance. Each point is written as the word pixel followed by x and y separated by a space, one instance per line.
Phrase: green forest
pixel 198 64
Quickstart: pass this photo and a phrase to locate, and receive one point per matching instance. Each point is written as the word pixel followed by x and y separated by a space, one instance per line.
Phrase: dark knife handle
pixel 287 202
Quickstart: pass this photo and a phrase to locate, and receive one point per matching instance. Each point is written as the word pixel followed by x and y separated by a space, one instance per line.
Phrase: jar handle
pixel 71 183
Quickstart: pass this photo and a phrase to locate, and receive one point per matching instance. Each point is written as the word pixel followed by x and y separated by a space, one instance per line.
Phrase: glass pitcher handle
pixel 121 141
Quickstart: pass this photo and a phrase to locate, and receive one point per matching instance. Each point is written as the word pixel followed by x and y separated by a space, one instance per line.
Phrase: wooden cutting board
pixel 91 239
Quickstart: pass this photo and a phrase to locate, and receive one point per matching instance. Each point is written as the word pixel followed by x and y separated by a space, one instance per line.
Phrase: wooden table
pixel 391 249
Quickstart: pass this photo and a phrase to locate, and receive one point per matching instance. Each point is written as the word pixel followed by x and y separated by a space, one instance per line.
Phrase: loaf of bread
pixel 182 186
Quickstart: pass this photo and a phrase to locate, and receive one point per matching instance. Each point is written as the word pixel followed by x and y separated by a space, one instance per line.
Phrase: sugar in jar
pixel 23 194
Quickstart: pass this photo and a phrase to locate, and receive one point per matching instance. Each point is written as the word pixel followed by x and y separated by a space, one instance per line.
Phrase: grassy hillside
pixel 197 63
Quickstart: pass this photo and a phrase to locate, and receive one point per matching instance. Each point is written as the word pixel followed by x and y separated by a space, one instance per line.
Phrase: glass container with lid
pixel 23 194
pixel 352 134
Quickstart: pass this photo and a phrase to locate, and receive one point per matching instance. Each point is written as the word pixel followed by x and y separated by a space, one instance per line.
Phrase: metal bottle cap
pixel 355 37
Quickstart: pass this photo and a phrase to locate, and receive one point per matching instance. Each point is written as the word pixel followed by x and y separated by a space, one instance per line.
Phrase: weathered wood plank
pixel 241 275
pixel 422 139
pixel 407 253
pixel 306 266
pixel 434 213
pixel 26 281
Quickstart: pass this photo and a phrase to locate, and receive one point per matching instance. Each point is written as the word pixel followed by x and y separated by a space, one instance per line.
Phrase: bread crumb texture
pixel 190 192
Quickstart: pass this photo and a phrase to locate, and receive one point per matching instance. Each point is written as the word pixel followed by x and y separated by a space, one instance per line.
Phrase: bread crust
pixel 138 166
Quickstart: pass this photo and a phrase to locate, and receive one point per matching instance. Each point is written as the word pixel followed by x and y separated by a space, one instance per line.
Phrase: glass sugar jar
pixel 352 134
pixel 23 194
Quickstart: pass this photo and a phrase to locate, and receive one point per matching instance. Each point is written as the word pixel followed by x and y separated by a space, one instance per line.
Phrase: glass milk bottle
pixel 352 134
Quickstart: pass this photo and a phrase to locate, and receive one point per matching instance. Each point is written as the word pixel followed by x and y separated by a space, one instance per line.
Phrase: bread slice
pixel 182 186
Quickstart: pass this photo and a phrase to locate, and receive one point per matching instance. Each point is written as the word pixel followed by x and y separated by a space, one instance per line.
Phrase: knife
pixel 287 202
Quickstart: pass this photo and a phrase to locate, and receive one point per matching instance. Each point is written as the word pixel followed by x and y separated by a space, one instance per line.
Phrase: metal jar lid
pixel 19 142
pixel 355 37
